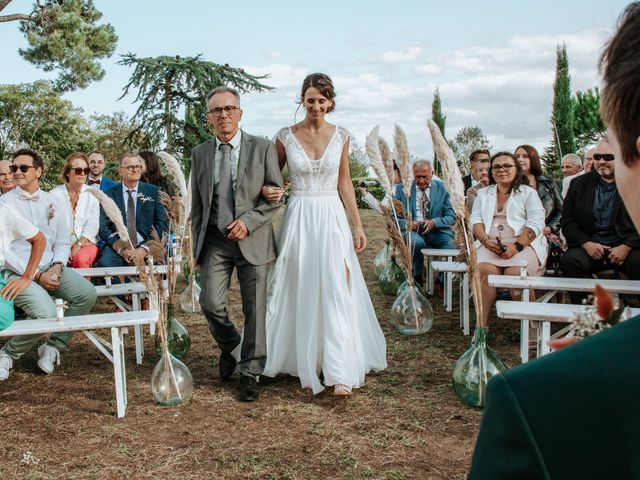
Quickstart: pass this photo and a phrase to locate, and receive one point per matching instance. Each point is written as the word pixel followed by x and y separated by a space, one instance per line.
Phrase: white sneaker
pixel 48 357
pixel 6 364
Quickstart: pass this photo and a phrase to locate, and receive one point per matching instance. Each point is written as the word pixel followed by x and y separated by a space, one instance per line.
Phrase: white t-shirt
pixel 13 228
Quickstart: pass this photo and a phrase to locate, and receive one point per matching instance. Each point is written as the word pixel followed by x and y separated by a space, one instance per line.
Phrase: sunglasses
pixel 609 157
pixel 80 170
pixel 22 168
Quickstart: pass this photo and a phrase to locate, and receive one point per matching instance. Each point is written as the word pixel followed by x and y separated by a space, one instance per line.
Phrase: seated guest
pixel 52 280
pixel 588 159
pixel 571 168
pixel 542 419
pixel 6 177
pixel 152 173
pixel 142 212
pixel 431 213
pixel 508 221
pixel 474 176
pixel 547 189
pixel 599 232
pixel 84 209
pixel 95 178
pixel 14 227
pixel 482 168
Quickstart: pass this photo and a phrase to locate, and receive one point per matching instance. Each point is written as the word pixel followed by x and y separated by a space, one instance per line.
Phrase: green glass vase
pixel 178 339
pixel 382 258
pixel 391 278
pixel 411 312
pixel 171 381
pixel 475 368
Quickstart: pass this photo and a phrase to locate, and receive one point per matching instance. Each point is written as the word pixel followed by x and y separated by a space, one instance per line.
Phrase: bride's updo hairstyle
pixel 324 85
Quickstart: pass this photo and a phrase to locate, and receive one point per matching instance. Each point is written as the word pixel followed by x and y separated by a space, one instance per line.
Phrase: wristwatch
pixel 519 246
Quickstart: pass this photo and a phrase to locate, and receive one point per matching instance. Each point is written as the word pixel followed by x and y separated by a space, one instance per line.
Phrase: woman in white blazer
pixel 84 209
pixel 508 223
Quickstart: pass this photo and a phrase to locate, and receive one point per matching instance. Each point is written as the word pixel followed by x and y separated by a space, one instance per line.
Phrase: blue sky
pixel 493 61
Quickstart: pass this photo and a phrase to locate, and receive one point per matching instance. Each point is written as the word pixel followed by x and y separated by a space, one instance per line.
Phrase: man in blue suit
pixel 95 178
pixel 142 212
pixel 431 213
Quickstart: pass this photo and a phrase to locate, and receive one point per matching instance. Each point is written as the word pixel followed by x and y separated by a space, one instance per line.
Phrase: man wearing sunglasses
pixel 52 280
pixel 596 225
pixel 142 213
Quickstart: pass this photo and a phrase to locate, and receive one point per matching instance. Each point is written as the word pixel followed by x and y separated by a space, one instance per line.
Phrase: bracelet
pixel 36 277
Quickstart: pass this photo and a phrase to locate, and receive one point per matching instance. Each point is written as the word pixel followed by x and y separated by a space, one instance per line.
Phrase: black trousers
pixel 576 263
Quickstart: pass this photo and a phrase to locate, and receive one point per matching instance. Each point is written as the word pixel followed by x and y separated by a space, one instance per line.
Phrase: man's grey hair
pixel 604 138
pixel 422 163
pixel 224 89
pixel 576 159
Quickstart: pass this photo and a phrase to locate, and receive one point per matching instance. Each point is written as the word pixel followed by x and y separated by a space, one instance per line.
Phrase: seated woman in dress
pixel 14 227
pixel 152 173
pixel 508 223
pixel 84 209
pixel 547 189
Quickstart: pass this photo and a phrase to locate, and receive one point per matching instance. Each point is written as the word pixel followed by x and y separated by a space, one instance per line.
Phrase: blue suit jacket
pixel 105 183
pixel 150 213
pixel 440 209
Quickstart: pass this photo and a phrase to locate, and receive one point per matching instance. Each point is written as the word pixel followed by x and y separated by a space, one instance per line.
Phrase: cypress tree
pixel 440 120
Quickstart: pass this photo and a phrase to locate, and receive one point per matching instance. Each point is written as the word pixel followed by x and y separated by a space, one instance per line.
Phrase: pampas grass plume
pixel 403 159
pixel 113 213
pixel 177 174
pixel 387 159
pixel 375 158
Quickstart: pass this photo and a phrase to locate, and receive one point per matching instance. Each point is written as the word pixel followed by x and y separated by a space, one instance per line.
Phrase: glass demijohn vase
pixel 475 368
pixel 189 298
pixel 391 278
pixel 411 312
pixel 171 381
pixel 178 339
pixel 382 258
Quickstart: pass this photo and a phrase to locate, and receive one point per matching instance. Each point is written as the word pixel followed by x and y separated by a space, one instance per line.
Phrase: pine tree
pixel 440 120
pixel 588 126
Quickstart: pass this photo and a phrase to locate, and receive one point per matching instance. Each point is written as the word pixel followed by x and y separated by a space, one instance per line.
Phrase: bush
pixel 373 187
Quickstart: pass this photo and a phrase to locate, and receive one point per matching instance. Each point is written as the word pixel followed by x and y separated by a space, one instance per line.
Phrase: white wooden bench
pixel 450 269
pixel 114 351
pixel 553 285
pixel 431 254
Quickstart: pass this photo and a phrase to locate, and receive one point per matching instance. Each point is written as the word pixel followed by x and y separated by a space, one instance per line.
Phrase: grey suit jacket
pixel 257 166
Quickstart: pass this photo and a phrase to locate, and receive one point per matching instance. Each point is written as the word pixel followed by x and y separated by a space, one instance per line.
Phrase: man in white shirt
pixel 6 177
pixel 571 168
pixel 52 279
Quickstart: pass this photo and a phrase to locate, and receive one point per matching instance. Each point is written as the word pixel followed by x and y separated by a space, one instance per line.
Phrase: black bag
pixel 556 250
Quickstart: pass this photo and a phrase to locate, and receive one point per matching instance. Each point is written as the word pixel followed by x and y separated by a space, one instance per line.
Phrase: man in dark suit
pixel 95 178
pixel 142 212
pixel 474 159
pixel 596 225
pixel 574 413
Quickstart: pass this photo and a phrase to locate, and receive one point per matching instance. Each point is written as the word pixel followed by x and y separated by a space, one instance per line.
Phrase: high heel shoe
pixel 341 390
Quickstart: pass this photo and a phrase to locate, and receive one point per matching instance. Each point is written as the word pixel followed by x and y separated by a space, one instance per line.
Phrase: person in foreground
pixel 574 413
pixel 320 318
pixel 232 229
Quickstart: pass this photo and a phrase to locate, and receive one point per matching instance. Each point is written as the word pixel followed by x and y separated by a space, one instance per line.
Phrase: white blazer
pixel 87 220
pixel 524 209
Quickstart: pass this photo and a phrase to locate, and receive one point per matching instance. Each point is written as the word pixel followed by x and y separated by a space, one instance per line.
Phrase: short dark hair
pixel 38 162
pixel 535 166
pixel 475 153
pixel 620 65
pixel 519 179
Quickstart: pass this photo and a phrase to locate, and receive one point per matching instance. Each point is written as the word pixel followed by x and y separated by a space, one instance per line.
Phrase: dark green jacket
pixel 573 414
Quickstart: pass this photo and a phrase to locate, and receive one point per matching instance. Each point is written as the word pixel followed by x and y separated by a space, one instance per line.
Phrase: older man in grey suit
pixel 231 228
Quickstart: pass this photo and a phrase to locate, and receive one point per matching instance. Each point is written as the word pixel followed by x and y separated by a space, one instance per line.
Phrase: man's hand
pixel 428 225
pixel 50 280
pixel 237 231
pixel 617 255
pixel 141 253
pixel 594 250
pixel 14 287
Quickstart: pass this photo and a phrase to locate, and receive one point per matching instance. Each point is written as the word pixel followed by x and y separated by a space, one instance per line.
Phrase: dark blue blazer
pixel 150 213
pixel 440 209
pixel 106 184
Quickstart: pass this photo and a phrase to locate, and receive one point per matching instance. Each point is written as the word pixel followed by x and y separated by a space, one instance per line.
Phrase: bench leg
pixel 544 338
pixel 137 331
pixel 448 294
pixel 119 371
pixel 427 260
pixel 464 303
pixel 524 340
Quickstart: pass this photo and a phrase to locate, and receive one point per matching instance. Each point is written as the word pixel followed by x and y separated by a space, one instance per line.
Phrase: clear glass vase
pixel 475 368
pixel 391 278
pixel 189 298
pixel 178 339
pixel 382 258
pixel 411 312
pixel 406 283
pixel 171 381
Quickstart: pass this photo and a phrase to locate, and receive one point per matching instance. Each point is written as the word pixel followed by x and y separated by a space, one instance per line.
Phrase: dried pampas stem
pixel 387 159
pixel 375 158
pixel 403 159
pixel 177 174
pixel 113 213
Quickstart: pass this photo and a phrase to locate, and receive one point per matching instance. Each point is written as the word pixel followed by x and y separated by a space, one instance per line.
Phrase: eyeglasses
pixel 22 168
pixel 133 168
pixel 502 168
pixel 80 170
pixel 609 157
pixel 229 110
pixel 420 176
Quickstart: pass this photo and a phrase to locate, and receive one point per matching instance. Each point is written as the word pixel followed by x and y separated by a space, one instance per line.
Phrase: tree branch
pixel 14 17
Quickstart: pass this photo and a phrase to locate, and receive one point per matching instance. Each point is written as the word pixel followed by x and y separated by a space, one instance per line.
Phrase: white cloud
pixel 281 75
pixel 429 69
pixel 395 57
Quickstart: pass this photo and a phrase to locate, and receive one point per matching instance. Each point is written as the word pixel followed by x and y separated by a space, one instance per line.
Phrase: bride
pixel 320 318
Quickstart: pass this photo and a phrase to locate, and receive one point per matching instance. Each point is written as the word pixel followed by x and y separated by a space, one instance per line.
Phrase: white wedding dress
pixel 320 318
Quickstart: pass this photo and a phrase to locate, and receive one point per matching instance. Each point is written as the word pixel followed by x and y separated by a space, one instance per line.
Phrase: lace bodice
pixel 306 175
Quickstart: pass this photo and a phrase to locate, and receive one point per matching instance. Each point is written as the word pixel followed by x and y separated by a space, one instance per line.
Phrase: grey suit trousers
pixel 220 257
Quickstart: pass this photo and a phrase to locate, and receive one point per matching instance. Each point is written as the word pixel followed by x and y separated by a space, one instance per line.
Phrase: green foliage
pixel 588 126
pixel 171 94
pixel 373 187
pixel 114 137
pixel 64 36
pixel 441 120
pixel 34 115
pixel 357 162
pixel 467 140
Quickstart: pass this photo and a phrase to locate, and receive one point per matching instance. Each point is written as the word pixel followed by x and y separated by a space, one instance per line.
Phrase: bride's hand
pixel 360 239
pixel 272 194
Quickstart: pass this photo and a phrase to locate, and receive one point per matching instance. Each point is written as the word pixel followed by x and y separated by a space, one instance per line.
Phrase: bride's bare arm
pixel 347 193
